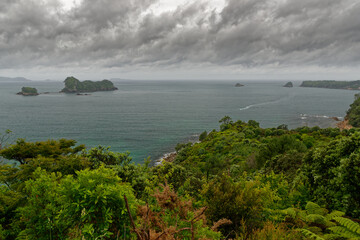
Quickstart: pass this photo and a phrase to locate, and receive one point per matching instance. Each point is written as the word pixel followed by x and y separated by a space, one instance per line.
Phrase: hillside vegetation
pixel 350 85
pixel 353 114
pixel 238 182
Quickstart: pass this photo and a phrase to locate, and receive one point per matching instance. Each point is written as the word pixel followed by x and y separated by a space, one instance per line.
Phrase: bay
pixel 148 118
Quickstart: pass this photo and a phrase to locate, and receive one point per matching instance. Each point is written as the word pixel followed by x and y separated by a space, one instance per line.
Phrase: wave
pixel 306 116
pixel 264 103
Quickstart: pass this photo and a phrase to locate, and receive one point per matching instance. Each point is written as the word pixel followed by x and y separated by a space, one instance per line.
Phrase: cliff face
pixel 73 85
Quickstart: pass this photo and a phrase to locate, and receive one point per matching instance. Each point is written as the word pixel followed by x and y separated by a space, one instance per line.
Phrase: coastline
pixel 337 123
pixel 167 157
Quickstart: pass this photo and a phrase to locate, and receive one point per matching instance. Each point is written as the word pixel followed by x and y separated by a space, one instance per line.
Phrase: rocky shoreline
pixel 167 157
pixel 344 125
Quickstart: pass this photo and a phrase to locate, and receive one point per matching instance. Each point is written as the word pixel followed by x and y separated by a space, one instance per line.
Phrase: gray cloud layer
pixel 246 33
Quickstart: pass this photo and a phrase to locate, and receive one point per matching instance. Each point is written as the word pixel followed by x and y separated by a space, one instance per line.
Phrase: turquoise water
pixel 148 118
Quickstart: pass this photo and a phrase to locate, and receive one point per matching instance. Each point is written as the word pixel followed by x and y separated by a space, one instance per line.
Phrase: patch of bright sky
pixel 157 8
pixel 170 5
pixel 69 4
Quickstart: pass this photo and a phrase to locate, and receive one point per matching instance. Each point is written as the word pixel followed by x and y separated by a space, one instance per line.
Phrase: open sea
pixel 148 118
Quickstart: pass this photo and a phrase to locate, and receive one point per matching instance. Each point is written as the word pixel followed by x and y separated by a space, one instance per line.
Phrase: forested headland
pixel 239 182
pixel 348 85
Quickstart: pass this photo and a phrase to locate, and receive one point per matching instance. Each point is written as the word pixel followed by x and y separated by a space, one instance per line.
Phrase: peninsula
pixel 73 85
pixel 28 91
pixel 348 85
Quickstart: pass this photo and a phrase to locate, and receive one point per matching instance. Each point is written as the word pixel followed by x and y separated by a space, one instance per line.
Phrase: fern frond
pixel 348 224
pixel 331 236
pixel 316 218
pixel 310 235
pixel 302 215
pixel 313 208
pixel 334 214
pixel 314 229
pixel 290 211
pixel 344 232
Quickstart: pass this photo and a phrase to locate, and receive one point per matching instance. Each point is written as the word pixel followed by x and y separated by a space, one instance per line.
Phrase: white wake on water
pixel 265 103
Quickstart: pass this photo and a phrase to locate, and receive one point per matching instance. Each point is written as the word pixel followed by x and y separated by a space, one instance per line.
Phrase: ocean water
pixel 148 118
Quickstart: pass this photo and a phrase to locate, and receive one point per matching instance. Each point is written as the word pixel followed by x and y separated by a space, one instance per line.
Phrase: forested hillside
pixel 350 85
pixel 239 182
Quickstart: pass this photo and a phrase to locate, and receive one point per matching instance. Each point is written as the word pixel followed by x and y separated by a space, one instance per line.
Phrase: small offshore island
pixel 28 91
pixel 73 85
pixel 239 85
pixel 332 84
pixel 289 85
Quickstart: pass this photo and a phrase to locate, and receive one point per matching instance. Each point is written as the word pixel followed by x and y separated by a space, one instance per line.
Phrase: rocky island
pixel 28 91
pixel 289 85
pixel 73 85
pixel 239 85
pixel 348 85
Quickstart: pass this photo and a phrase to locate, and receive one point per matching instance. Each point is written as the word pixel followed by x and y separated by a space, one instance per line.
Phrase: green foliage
pixel 139 176
pixel 4 138
pixel 23 151
pixel 346 228
pixel 40 213
pixel 94 202
pixel 172 174
pixel 283 127
pixel 29 90
pixel 101 155
pixel 202 136
pixel 268 182
pixel 315 223
pixel 243 202
pixel 332 84
pixel 73 85
pixel 9 202
pixel 310 235
pixel 219 151
pixel 274 149
pixel 253 123
pixel 271 231
pixel 226 123
pixel 353 114
pixel 90 206
pixel 333 174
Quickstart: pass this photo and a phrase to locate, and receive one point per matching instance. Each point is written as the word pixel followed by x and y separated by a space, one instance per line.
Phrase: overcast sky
pixel 172 39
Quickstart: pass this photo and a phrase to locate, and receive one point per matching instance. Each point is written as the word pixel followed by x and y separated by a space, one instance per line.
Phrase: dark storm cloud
pixel 112 33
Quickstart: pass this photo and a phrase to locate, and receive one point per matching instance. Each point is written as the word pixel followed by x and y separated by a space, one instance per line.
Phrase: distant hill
pixel 16 79
pixel 73 85
pixel 349 85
